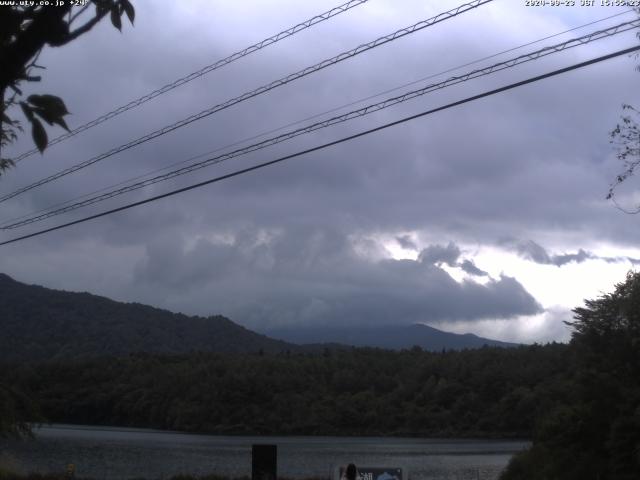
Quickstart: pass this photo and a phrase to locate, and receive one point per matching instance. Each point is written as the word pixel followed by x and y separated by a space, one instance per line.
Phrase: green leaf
pixel 48 107
pixel 60 121
pixel 115 18
pixel 43 114
pixel 51 119
pixel 52 104
pixel 27 110
pixel 39 134
pixel 128 9
pixel 101 6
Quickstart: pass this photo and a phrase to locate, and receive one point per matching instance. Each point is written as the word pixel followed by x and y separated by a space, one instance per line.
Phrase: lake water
pixel 117 453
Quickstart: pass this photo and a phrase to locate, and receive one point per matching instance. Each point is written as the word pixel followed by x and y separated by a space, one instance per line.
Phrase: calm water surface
pixel 116 453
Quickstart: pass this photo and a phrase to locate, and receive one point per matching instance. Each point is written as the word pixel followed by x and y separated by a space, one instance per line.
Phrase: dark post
pixel 264 462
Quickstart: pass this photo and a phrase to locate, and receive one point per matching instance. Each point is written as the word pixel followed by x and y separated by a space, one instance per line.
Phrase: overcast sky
pixel 489 217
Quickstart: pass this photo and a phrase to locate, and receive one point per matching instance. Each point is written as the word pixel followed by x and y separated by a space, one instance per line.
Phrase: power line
pixel 297 122
pixel 263 89
pixel 585 39
pixel 203 71
pixel 414 82
pixel 329 144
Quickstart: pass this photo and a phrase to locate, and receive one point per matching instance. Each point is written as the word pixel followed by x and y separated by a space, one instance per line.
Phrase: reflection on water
pixel 115 453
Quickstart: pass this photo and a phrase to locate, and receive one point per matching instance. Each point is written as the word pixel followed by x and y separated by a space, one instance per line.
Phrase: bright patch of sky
pixel 558 289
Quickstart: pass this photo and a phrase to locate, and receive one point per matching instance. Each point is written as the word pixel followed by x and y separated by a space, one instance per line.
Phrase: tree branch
pixel 78 13
pixel 85 28
pixel 40 31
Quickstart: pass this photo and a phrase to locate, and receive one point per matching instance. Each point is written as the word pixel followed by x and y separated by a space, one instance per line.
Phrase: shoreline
pixel 356 436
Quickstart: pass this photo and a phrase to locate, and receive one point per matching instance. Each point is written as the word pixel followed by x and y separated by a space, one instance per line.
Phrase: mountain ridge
pixel 395 337
pixel 39 324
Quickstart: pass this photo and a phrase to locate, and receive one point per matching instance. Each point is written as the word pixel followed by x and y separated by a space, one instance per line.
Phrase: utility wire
pixel 594 36
pixel 265 88
pixel 312 117
pixel 203 71
pixel 329 144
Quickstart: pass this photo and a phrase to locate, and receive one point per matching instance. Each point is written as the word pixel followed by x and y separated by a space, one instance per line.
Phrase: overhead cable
pixel 329 144
pixel 265 88
pixel 585 39
pixel 302 120
pixel 305 119
pixel 203 71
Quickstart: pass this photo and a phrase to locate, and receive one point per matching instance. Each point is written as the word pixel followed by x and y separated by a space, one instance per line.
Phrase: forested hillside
pixel 38 323
pixel 484 392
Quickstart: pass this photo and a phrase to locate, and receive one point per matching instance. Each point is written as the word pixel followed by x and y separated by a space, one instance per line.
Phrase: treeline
pixel 592 431
pixel 483 392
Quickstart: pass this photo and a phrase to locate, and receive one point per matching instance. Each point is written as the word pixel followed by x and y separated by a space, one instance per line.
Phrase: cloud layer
pixel 530 250
pixel 319 277
pixel 299 242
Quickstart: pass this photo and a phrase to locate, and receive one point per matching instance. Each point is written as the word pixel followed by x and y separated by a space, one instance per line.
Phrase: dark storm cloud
pixel 579 257
pixel 406 242
pixel 414 175
pixel 530 250
pixel 519 164
pixel 448 254
pixel 315 276
pixel 470 267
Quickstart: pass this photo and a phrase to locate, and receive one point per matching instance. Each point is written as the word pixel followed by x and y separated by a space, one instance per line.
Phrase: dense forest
pixel 484 392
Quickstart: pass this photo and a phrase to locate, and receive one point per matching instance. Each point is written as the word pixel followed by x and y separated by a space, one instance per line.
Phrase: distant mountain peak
pixel 395 337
